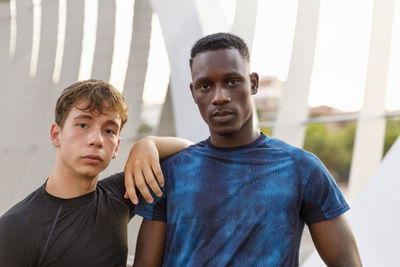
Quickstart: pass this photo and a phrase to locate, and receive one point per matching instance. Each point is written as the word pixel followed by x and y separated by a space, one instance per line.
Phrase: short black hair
pixel 220 40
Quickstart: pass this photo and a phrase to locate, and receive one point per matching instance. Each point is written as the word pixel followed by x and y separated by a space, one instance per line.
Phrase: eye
pixel 82 125
pixel 233 82
pixel 204 87
pixel 110 131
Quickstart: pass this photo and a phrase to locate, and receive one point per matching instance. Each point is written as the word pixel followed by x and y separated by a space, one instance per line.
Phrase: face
pixel 87 142
pixel 222 89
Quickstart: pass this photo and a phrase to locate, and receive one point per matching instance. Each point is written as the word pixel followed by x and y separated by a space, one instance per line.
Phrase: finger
pixel 130 187
pixel 142 185
pixel 158 173
pixel 151 181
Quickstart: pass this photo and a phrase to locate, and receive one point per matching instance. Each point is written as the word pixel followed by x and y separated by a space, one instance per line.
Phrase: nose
pixel 96 138
pixel 220 96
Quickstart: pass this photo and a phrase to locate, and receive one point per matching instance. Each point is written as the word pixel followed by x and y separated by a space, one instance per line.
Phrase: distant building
pixel 268 97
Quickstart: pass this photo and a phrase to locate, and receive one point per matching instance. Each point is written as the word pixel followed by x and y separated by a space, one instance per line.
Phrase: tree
pixel 392 133
pixel 333 145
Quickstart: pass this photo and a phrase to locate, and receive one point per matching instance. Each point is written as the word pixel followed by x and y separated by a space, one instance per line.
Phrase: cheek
pixel 74 132
pixel 111 143
pixel 201 103
pixel 245 103
pixel 74 137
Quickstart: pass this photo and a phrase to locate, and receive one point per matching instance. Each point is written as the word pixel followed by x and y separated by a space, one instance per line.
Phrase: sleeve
pixel 321 197
pixel 115 185
pixel 153 211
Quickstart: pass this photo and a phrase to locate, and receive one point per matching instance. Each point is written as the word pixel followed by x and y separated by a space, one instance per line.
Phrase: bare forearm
pixel 168 146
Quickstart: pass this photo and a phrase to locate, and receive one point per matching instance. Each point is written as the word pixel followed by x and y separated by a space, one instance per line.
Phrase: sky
pixel 340 61
pixel 341 55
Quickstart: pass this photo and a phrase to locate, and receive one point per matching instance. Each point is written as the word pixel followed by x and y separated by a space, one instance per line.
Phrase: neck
pixel 235 139
pixel 64 184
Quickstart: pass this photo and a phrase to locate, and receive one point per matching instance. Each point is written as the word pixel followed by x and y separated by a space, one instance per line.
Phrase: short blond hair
pixel 95 93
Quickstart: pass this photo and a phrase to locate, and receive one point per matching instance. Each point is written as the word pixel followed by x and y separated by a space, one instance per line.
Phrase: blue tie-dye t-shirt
pixel 242 206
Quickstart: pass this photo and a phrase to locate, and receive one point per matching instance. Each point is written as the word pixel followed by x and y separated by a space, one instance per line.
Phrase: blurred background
pixel 330 83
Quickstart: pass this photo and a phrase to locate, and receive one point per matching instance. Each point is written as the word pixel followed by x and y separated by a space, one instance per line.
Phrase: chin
pixel 91 174
pixel 225 131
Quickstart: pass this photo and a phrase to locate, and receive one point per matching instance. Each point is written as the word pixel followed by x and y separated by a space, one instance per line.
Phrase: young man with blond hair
pixel 73 219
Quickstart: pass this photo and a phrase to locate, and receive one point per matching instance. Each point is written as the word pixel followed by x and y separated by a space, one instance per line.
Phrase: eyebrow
pixel 90 117
pixel 202 80
pixel 228 75
pixel 205 78
pixel 113 123
pixel 233 74
pixel 83 116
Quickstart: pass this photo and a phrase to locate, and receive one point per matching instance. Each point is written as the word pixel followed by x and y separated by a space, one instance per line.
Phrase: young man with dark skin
pixel 74 219
pixel 239 198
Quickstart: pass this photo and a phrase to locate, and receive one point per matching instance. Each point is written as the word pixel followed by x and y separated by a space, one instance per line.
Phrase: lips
pixel 92 158
pixel 222 112
pixel 222 116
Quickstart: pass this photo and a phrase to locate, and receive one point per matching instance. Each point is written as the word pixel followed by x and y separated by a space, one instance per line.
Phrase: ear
pixel 55 134
pixel 192 91
pixel 254 79
pixel 115 153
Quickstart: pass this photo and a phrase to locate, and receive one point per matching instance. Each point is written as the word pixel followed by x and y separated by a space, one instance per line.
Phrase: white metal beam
pixel 370 133
pixel 293 109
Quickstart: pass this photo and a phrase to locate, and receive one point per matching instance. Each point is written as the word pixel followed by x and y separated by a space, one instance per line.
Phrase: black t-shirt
pixel 89 230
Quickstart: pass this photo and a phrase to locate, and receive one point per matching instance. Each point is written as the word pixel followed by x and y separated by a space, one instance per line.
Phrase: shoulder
pixel 12 224
pixel 115 180
pixel 23 209
pixel 113 187
pixel 305 161
pixel 18 222
pixel 296 153
pixel 187 153
pixel 19 236
pixel 321 199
